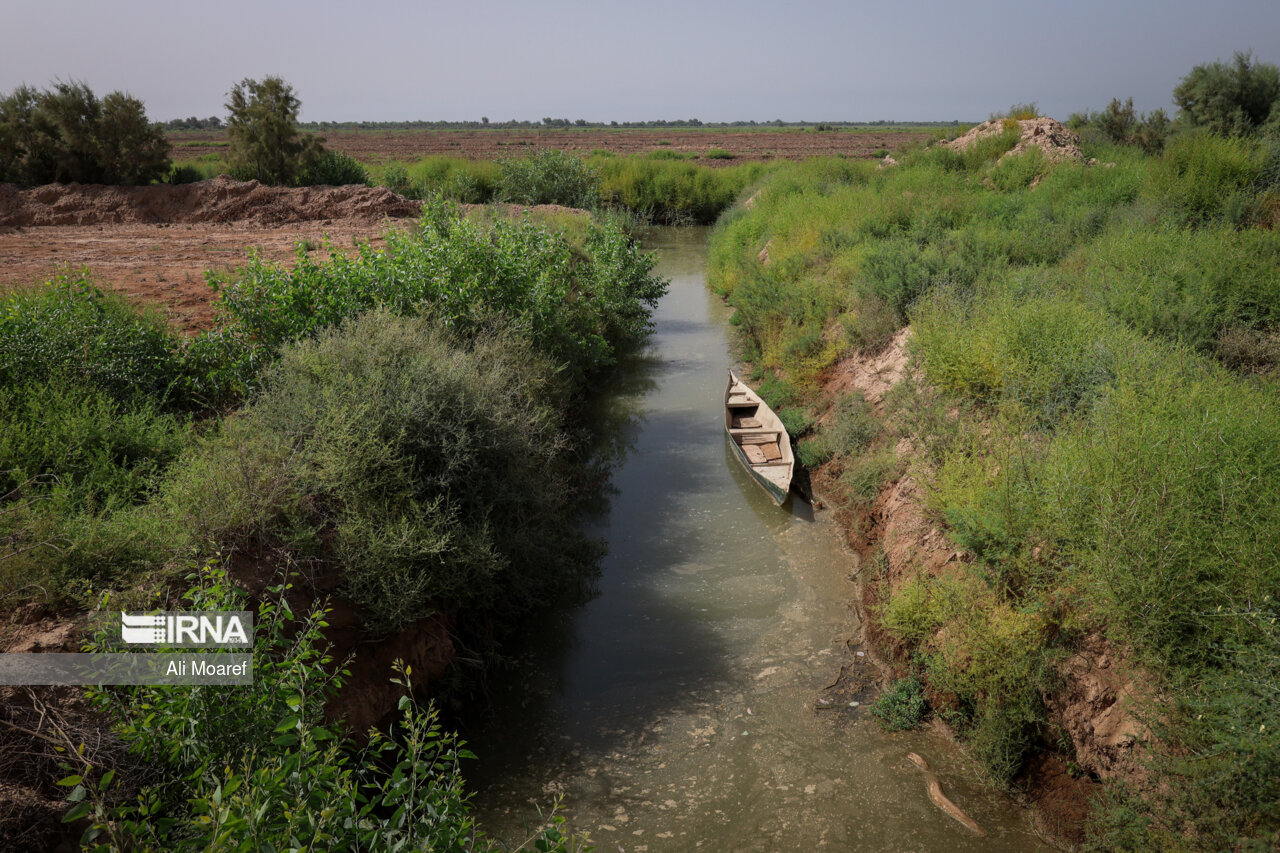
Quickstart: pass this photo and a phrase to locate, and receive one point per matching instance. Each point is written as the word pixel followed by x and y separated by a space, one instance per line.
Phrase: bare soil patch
pixel 155 243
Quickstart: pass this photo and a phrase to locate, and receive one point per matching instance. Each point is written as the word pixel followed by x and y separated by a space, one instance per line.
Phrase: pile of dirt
pixel 1055 139
pixel 220 200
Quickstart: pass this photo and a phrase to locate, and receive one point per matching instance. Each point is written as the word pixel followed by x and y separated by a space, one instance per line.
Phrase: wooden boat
pixel 759 440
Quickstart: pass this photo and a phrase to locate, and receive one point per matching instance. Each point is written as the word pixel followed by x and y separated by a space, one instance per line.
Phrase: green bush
pixel 72 332
pixel 902 707
pixel 431 468
pixel 852 426
pixel 580 307
pixel 865 475
pixel 796 420
pixel 1201 177
pixel 549 177
pixel 1234 98
pixel 94 448
pixel 670 190
pixel 334 169
pixel 452 178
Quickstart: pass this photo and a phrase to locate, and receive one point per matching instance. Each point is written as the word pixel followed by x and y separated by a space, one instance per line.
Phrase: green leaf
pixel 77 812
pixel 70 781
pixel 76 795
pixel 287 723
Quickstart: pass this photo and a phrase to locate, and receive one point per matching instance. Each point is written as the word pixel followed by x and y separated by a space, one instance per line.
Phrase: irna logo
pixel 228 628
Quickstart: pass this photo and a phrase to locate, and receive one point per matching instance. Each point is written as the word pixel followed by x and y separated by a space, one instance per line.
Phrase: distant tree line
pixel 67 134
pixel 193 123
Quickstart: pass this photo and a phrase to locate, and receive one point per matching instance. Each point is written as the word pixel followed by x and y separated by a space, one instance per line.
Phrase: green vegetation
pixel 548 177
pixel 266 144
pixel 902 707
pixel 1235 98
pixel 1098 429
pixel 98 400
pixel 432 468
pixel 252 768
pixel 403 417
pixel 67 134
pixel 662 187
pixel 673 191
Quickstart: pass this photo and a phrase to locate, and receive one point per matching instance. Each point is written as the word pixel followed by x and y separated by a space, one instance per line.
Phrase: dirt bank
pixel 220 200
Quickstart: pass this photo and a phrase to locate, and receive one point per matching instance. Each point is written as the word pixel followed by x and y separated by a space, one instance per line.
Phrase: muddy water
pixel 713 696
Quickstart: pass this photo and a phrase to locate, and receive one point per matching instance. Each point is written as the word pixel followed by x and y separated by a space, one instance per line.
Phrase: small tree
pixel 1235 98
pixel 131 150
pixel 263 129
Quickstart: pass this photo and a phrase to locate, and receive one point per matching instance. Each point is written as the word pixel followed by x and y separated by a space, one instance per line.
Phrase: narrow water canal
pixel 689 705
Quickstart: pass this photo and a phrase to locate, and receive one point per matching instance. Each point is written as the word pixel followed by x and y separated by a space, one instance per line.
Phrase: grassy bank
pixel 666 187
pixel 395 427
pixel 1097 427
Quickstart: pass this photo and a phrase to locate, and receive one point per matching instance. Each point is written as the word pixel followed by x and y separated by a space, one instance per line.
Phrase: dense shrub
pixel 71 332
pixel 453 178
pixel 549 177
pixel 678 192
pixel 578 308
pixel 433 465
pixel 334 169
pixel 67 134
pixel 89 445
pixel 1229 98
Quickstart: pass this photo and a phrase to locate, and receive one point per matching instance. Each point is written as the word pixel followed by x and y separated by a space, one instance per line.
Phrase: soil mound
pixel 1053 137
pixel 221 200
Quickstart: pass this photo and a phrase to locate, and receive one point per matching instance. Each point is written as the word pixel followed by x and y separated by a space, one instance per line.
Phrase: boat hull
pixel 760 441
pixel 776 492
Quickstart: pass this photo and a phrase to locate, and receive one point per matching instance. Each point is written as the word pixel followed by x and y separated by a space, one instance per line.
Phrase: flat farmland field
pixel 381 146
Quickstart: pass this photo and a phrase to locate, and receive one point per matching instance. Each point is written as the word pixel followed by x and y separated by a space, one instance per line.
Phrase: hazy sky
pixel 806 59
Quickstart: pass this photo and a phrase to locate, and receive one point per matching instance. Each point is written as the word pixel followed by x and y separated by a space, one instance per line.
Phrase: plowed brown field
pixel 378 146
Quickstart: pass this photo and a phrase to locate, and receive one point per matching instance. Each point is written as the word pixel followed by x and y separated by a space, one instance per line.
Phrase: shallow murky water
pixel 704 700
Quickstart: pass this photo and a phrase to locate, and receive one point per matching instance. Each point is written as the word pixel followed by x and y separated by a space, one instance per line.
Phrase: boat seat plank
pixel 760 438
pixel 745 422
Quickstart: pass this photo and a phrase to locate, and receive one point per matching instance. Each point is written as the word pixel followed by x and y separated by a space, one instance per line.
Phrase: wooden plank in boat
pixel 747 423
pixel 754 454
pixel 759 438
pixel 771 451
